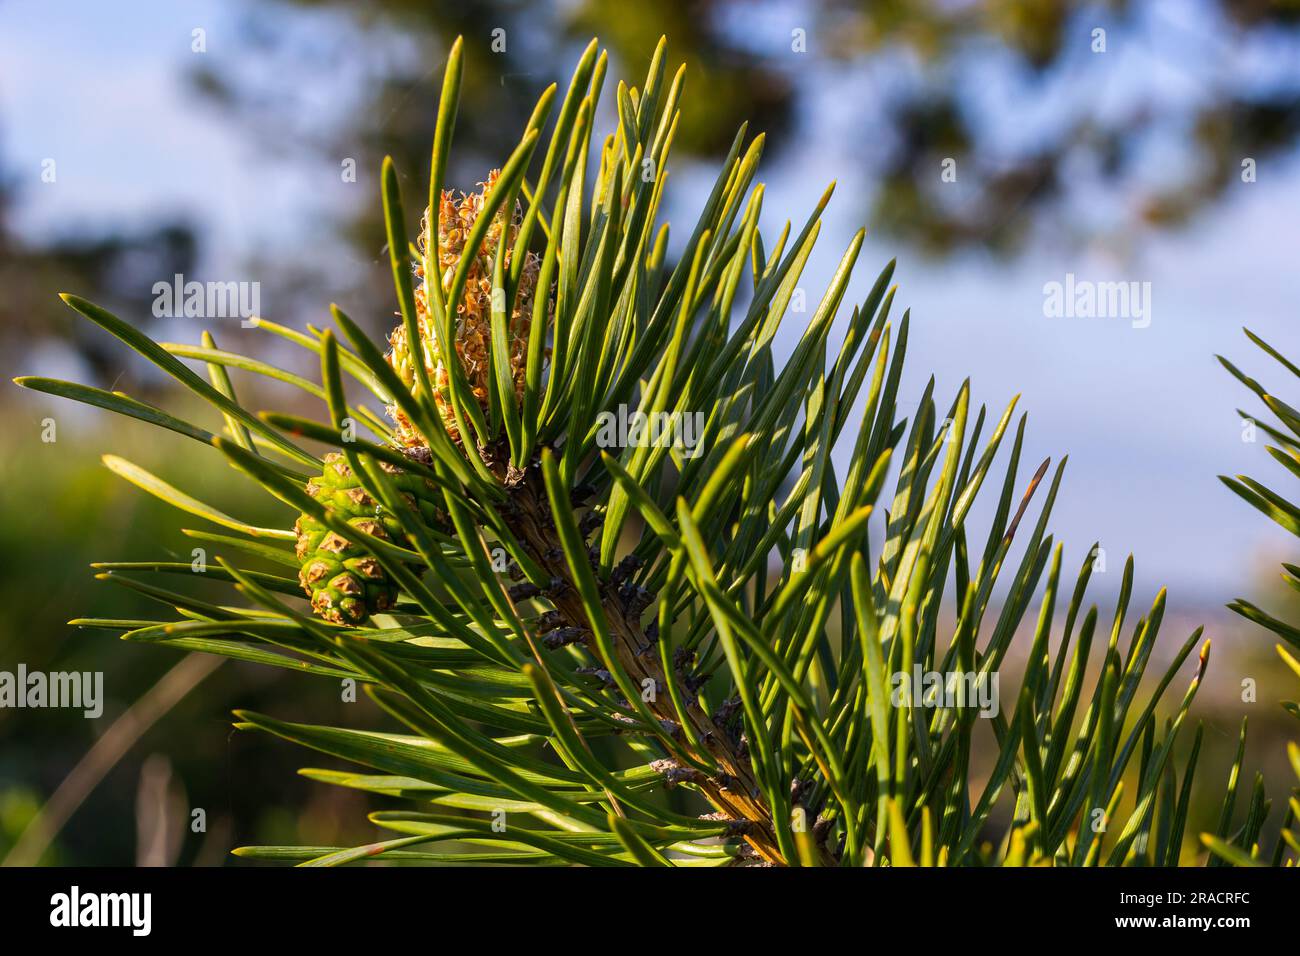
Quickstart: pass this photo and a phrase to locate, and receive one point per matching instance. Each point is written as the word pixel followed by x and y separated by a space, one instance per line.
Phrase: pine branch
pixel 538 310
pixel 722 771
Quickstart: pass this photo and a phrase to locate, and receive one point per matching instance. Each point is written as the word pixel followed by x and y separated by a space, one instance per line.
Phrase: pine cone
pixel 346 583
pixel 473 313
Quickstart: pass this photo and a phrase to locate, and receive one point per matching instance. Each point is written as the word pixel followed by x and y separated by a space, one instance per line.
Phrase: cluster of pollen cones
pixel 347 585
pixel 472 318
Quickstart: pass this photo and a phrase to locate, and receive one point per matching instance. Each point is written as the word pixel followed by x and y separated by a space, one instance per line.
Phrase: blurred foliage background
pixel 1007 89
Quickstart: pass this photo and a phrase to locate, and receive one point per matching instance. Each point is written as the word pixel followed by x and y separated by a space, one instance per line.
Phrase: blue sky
pixel 1146 415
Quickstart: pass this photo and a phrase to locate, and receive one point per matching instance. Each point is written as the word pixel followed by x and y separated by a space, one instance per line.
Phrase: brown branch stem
pixel 732 789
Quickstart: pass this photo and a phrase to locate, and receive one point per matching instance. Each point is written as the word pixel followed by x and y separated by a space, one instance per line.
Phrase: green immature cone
pixel 345 582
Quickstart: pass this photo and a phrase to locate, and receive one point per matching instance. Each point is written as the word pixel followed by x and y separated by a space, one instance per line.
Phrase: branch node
pixel 563 636
pixel 675 774
pixel 523 591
